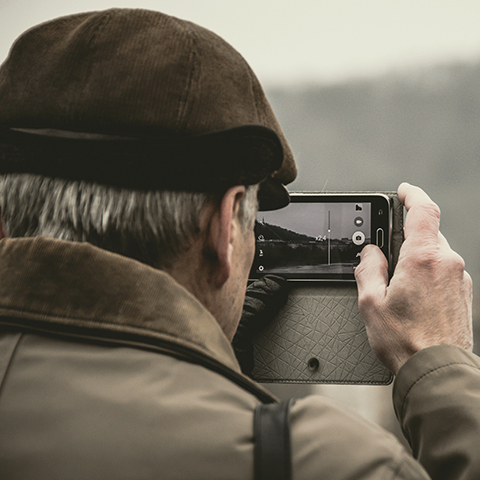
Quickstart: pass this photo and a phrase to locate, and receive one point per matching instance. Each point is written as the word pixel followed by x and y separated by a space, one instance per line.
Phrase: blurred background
pixel 369 93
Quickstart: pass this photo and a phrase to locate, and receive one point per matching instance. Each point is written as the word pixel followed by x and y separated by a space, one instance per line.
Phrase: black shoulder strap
pixel 272 441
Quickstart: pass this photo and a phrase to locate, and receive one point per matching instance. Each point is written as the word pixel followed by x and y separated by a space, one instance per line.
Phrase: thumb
pixel 372 278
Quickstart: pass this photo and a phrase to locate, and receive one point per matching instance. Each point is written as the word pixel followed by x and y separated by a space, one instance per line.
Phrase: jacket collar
pixel 77 284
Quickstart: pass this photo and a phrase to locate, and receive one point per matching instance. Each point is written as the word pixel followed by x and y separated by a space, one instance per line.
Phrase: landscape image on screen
pixel 311 239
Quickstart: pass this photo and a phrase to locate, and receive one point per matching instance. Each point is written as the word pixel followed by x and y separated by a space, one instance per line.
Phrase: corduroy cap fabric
pixel 139 99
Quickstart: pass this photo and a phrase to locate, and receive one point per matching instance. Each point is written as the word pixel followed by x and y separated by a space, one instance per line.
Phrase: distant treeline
pixel 275 232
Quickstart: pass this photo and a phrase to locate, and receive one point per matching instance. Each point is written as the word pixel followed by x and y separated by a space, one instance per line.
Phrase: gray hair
pixel 153 227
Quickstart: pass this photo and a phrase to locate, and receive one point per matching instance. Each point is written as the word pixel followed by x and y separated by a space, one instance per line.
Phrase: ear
pixel 222 233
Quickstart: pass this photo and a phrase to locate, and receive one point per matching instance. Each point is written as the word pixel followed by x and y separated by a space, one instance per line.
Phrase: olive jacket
pixel 110 369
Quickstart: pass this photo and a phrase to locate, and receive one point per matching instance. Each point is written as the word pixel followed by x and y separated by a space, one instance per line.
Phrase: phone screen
pixel 320 237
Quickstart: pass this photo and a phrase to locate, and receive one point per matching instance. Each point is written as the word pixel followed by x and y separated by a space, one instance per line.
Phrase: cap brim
pixel 213 162
pixel 272 195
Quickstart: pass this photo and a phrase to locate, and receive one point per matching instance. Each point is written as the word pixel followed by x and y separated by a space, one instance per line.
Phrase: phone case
pixel 319 336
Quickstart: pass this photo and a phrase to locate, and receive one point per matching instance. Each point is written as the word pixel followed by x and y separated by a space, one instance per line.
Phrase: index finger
pixel 423 214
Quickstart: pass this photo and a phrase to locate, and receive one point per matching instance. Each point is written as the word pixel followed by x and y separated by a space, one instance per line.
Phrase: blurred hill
pixel 275 232
pixel 419 126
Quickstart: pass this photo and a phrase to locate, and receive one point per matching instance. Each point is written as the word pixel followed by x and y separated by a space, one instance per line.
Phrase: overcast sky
pixel 288 41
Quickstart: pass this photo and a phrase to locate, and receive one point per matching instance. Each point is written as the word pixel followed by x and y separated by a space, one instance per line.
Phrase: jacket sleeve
pixel 331 441
pixel 437 401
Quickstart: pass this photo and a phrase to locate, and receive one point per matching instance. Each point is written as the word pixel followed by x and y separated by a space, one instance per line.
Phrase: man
pixel 132 148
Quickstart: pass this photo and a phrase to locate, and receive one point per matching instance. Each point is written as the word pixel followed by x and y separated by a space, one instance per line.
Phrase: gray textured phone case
pixel 319 336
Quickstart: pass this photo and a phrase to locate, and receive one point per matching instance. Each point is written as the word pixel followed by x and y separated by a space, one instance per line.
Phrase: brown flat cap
pixel 139 99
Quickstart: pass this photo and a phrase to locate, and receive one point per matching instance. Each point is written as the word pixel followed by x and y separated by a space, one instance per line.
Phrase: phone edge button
pixel 380 239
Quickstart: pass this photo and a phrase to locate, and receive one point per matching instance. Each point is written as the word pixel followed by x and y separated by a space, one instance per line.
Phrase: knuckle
pixel 435 257
pixel 359 271
pixel 457 262
pixel 468 286
pixel 367 301
pixel 468 281
pixel 428 217
pixel 425 258
pixel 430 210
pixel 453 264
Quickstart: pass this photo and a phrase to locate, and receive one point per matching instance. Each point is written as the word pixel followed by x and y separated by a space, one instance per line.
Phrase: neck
pixel 195 271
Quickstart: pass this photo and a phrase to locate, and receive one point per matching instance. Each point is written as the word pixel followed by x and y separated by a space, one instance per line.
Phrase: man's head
pixel 142 134
pixel 154 227
pixel 142 100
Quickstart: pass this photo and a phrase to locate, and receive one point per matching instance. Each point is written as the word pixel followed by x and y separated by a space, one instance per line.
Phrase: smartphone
pixel 319 236
pixel 319 335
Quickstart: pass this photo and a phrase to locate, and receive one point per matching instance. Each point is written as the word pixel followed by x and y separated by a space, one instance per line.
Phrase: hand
pixel 429 299
pixel 263 300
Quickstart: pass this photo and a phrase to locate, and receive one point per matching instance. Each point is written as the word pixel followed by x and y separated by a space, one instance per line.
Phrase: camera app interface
pixel 312 239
